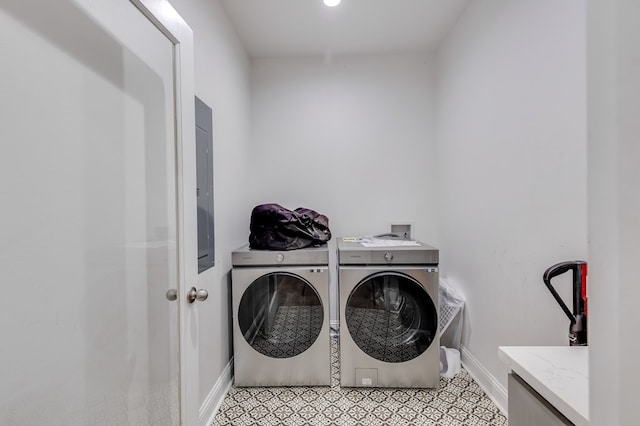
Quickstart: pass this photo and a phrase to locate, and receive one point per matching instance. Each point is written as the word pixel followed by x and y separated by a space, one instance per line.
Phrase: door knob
pixel 194 295
pixel 172 294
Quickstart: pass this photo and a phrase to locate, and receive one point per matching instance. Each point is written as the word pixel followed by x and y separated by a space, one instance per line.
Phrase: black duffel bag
pixel 274 227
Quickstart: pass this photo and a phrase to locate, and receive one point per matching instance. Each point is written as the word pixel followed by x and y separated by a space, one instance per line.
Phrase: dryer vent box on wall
pixel 402 230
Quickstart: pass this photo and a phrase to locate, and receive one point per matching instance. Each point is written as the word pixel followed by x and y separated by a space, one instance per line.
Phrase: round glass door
pixel 391 317
pixel 280 315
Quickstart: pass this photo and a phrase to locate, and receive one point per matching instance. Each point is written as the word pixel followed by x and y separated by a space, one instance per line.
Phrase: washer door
pixel 280 315
pixel 391 317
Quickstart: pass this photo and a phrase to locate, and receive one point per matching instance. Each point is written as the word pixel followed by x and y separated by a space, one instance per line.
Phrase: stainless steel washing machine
pixel 388 315
pixel 280 305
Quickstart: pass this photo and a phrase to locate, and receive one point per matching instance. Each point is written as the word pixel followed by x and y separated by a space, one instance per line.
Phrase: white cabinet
pixel 548 385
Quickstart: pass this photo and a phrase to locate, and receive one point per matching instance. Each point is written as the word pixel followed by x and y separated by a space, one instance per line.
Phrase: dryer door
pixel 280 315
pixel 391 317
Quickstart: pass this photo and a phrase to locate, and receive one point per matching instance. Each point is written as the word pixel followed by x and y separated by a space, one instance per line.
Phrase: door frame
pixel 171 24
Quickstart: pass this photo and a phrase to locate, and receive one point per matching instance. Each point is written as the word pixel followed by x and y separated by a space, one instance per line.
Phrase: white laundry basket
pixel 451 314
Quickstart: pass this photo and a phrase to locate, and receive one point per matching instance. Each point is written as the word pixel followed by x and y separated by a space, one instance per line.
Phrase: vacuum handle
pixel 553 271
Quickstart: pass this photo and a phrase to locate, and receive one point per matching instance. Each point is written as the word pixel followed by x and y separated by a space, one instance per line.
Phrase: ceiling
pixel 277 28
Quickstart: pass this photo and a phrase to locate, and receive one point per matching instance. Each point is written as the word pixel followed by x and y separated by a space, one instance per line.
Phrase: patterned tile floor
pixel 458 401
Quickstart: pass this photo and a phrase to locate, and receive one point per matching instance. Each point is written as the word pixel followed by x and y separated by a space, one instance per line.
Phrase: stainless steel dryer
pixel 388 315
pixel 280 305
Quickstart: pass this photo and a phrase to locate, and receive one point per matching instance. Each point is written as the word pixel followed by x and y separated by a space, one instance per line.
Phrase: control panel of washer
pixel 245 256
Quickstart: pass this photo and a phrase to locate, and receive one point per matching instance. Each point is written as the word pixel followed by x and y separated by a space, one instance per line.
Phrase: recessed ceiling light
pixel 331 3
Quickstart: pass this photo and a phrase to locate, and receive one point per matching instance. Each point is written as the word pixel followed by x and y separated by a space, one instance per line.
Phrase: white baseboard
pixel 212 403
pixel 492 387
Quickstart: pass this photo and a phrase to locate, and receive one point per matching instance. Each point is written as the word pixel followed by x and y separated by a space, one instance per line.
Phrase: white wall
pixel 614 210
pixel 351 137
pixel 511 122
pixel 222 82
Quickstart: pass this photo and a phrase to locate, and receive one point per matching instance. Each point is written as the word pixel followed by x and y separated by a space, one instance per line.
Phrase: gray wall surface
pixel 511 138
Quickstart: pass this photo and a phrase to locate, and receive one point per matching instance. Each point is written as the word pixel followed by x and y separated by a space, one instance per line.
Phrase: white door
pixel 98 214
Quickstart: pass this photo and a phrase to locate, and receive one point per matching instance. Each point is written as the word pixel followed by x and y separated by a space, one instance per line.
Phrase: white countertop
pixel 559 373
